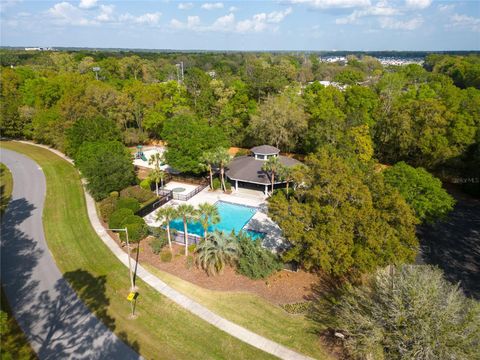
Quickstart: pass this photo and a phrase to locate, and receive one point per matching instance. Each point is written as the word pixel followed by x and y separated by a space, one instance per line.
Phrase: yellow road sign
pixel 132 296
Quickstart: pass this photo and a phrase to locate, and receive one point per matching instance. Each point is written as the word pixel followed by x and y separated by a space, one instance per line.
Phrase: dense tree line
pixel 425 116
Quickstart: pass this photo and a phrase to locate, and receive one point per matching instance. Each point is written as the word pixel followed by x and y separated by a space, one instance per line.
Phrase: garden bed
pixel 280 288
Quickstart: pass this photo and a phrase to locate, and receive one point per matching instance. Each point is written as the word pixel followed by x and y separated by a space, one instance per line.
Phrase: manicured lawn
pixel 254 313
pixel 6 187
pixel 162 330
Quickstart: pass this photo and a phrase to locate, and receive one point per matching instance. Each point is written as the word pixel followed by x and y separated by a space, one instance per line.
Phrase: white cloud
pixel 192 23
pixel 228 23
pixel 106 13
pixel 333 4
pixel 233 9
pixel 391 23
pixel 212 6
pixel 379 9
pixel 465 21
pixel 418 4
pixel 224 23
pixel 446 7
pixel 66 13
pixel 278 16
pixel 87 4
pixel 185 6
pixel 146 19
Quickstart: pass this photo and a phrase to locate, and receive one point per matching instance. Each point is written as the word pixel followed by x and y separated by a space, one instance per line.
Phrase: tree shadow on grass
pixel 454 245
pixel 57 323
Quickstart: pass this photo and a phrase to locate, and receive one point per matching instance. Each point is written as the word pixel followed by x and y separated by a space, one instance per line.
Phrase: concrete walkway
pixel 201 311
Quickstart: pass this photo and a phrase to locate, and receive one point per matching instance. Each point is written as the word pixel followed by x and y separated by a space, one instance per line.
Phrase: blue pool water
pixel 232 217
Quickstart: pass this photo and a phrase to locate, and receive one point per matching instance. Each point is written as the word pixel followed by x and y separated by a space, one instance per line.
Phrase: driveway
pixel 56 322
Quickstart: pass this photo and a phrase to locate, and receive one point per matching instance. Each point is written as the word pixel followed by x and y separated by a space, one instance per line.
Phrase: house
pixel 246 171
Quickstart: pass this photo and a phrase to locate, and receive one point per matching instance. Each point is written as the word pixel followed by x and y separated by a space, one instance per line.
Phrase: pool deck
pixel 259 222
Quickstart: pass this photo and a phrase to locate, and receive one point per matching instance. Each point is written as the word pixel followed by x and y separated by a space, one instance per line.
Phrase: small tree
pixel 405 312
pixel 165 215
pixel 187 212
pixel 272 166
pixel 217 250
pixel 254 261
pixel 207 214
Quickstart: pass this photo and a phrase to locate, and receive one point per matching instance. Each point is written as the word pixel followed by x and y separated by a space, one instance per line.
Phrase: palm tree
pixel 156 160
pixel 209 160
pixel 157 176
pixel 187 212
pixel 207 214
pixel 222 158
pixel 273 166
pixel 287 174
pixel 165 215
pixel 217 250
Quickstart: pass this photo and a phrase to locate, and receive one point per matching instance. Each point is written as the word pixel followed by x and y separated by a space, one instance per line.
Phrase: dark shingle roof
pixel 265 150
pixel 248 169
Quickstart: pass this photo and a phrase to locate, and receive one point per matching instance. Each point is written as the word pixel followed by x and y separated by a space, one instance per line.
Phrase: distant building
pixel 38 49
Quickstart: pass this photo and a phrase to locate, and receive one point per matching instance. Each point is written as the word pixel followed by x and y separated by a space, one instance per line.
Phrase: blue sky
pixel 244 25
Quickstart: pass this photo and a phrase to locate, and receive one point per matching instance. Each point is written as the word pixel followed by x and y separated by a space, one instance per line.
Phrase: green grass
pixel 162 330
pixel 254 313
pixel 14 344
pixel 6 187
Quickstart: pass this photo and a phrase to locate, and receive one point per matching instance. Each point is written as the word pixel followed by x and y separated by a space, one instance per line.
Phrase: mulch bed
pixel 281 288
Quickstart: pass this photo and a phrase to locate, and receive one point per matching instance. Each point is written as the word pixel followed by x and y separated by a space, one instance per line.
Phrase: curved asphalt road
pixel 56 322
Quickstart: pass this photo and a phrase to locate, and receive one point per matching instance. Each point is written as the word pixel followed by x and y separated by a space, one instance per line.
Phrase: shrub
pixel 128 203
pixel 136 232
pixel 138 193
pixel 228 186
pixel 297 308
pixel 114 194
pixel 157 244
pixel 117 218
pixel 133 219
pixel 404 312
pixel 216 184
pixel 107 206
pixel 166 256
pixel 146 184
pixel 192 248
pixel 254 261
pixel 217 250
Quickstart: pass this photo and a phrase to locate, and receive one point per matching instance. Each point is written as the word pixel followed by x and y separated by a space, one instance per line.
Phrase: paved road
pixel 56 322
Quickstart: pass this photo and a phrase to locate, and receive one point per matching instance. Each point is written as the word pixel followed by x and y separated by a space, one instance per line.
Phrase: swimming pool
pixel 232 217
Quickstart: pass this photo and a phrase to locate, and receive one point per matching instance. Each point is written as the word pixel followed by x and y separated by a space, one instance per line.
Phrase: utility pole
pixel 180 76
pixel 132 285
